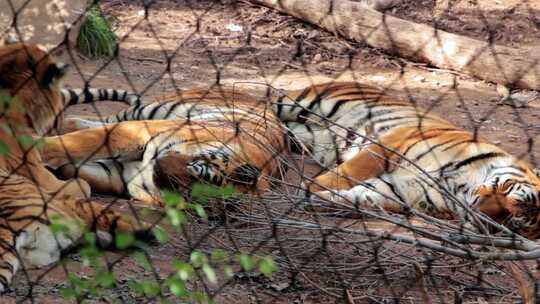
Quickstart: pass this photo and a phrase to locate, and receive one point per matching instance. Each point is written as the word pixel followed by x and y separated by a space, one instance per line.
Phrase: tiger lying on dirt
pixel 30 196
pixel 385 149
pixel 216 136
pixel 371 135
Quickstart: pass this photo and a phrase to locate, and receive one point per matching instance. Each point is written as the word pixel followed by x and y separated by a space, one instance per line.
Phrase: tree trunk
pixel 499 64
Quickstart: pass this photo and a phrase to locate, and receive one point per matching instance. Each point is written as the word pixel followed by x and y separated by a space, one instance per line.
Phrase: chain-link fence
pixel 426 111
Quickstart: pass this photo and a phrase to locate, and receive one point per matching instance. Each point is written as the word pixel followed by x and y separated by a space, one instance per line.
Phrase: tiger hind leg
pixel 379 193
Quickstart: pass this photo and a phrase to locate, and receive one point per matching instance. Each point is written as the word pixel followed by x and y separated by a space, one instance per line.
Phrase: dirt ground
pixel 181 44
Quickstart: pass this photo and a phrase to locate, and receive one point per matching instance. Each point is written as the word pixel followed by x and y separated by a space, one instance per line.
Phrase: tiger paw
pixel 312 186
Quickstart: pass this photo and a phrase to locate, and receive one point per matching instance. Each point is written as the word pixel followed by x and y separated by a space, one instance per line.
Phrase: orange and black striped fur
pixel 216 136
pixel 30 196
pixel 393 155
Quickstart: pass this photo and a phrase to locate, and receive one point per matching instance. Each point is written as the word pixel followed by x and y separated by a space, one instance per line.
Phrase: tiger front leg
pixel 372 161
pixel 368 163
pixel 373 194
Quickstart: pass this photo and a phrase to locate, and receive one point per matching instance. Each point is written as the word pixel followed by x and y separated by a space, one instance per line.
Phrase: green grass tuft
pixel 96 39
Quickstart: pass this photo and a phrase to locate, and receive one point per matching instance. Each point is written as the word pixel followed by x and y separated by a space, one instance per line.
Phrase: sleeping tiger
pixel 385 148
pixel 30 196
pixel 216 136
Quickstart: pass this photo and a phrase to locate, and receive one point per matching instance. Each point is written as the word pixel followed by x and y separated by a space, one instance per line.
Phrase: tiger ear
pixel 494 186
pixel 492 199
pixel 246 174
pixel 53 72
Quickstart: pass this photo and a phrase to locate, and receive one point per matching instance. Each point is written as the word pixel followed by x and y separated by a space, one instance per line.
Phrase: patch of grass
pixel 96 38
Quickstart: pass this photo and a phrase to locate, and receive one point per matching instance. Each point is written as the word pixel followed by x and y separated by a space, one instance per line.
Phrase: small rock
pixel 523 98
pixel 279 286
pixel 379 5
pixel 313 34
pixel 503 91
pixel 420 78
pixel 234 27
pixel 317 58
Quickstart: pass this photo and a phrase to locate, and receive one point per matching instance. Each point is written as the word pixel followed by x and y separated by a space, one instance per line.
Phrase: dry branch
pixel 525 286
pixel 499 64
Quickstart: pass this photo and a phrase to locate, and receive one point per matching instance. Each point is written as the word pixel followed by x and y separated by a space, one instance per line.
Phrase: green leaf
pixel 171 198
pixel 90 238
pixel 247 262
pixel 201 297
pixel 228 271
pixel 90 252
pixel 4 148
pixel 198 258
pixel 201 192
pixel 219 256
pixel 161 235
pixel 176 217
pixel 184 270
pixel 25 140
pixel 147 212
pixel 150 288
pixel 39 142
pixel 5 98
pixel 58 227
pixel 267 266
pixel 74 279
pixel 200 211
pixel 68 293
pixel 177 287
pixel 210 273
pixel 136 286
pixel 124 240
pixel 105 278
pixel 141 259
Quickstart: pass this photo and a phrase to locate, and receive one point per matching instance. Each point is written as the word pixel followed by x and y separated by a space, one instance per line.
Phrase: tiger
pixel 217 136
pixel 386 153
pixel 31 197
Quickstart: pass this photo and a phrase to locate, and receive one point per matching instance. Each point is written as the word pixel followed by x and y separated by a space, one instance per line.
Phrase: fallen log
pixel 508 66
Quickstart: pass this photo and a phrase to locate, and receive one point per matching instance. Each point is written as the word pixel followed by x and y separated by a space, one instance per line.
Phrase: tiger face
pixel 178 172
pixel 33 79
pixel 513 202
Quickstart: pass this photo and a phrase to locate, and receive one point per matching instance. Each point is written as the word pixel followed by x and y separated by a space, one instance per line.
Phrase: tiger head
pixel 31 80
pixel 513 200
pixel 178 172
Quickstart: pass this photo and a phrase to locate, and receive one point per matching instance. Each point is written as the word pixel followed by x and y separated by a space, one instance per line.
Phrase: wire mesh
pixel 326 250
